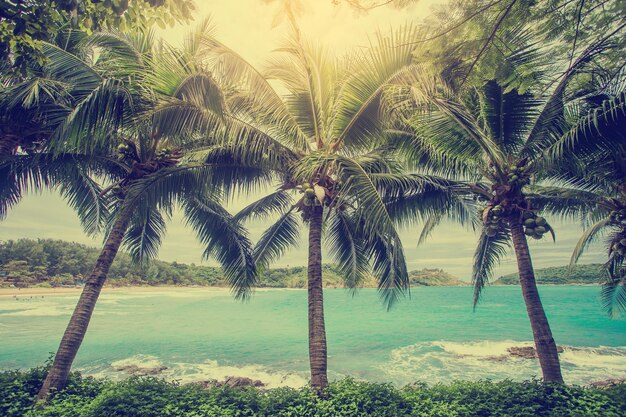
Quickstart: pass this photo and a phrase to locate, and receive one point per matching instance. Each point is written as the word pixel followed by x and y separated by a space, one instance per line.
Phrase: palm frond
pixel 144 234
pixel 587 237
pixel 388 60
pixel 277 202
pixel 600 128
pixel 489 252
pixel 225 239
pixel 389 267
pixel 347 249
pixel 429 226
pixel 507 115
pixel 279 237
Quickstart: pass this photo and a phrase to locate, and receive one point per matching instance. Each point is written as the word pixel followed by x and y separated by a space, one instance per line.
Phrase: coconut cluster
pixel 619 247
pixel 309 198
pixel 535 226
pixel 125 151
pixel 492 223
pixel 165 153
pixel 518 175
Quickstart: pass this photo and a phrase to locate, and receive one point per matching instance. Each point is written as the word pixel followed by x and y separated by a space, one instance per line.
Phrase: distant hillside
pixel 433 278
pixel 559 275
pixel 47 262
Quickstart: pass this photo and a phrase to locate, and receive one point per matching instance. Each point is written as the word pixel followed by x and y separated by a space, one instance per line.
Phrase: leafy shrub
pixel 152 397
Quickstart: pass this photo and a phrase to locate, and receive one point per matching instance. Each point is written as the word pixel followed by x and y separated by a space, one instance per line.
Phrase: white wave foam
pixel 483 348
pixel 141 361
pixel 186 372
pixel 194 372
pixel 443 361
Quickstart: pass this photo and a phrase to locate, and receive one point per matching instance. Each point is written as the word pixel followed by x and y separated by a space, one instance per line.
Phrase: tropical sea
pixel 202 333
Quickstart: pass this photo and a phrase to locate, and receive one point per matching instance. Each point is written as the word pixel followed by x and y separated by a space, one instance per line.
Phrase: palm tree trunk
pixel 77 327
pixel 317 330
pixel 544 342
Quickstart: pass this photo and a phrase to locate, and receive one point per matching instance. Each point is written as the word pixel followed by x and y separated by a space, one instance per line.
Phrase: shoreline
pixel 28 291
pixel 4 292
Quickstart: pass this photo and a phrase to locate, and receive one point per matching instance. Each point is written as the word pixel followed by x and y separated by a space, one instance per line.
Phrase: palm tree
pixel 595 177
pixel 499 137
pixel 33 110
pixel 323 143
pixel 146 169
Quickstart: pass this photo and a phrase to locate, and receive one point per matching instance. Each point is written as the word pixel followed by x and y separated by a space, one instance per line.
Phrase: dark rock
pixel 233 382
pixel 527 352
pixel 139 371
pixel 608 383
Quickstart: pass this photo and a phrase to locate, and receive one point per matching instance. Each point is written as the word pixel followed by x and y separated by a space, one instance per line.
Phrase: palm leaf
pixel 587 237
pixel 225 239
pixel 489 252
pixel 144 234
pixel 347 248
pixel 279 237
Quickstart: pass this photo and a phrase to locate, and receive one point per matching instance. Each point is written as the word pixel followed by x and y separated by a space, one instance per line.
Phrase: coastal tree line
pixel 490 116
pixel 55 263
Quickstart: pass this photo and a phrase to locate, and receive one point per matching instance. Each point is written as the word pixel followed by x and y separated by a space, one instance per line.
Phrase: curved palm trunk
pixel 317 330
pixel 77 327
pixel 544 342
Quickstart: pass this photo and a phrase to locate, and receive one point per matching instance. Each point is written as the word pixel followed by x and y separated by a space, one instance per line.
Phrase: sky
pixel 254 28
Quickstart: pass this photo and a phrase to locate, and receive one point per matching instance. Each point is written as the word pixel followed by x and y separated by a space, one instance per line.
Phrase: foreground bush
pixel 151 397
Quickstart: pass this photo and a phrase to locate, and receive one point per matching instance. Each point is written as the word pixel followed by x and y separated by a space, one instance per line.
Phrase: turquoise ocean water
pixel 203 333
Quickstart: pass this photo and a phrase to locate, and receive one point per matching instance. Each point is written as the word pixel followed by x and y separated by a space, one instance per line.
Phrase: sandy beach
pixel 10 292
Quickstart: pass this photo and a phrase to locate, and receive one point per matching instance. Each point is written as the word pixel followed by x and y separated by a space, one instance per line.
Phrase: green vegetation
pixel 561 275
pixel 48 262
pixel 494 121
pixel 150 397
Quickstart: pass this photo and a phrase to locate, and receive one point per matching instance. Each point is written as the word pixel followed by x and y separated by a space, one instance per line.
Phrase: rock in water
pixel 233 382
pixel 135 370
pixel 608 383
pixel 527 352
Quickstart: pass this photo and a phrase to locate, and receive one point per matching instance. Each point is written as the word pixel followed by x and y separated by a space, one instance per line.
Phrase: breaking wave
pixel 443 361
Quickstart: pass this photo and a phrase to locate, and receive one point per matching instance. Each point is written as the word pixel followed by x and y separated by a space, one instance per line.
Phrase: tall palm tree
pixel 146 169
pixel 322 142
pixel 499 136
pixel 595 175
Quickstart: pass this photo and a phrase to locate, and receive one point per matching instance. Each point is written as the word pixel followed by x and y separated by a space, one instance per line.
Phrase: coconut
pixel 514 178
pixel 309 192
pixel 307 202
pixel 537 237
pixel 491 232
pixel 541 221
pixel 528 215
pixel 306 185
pixel 529 222
pixel 529 231
pixel 540 229
pixel 623 242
